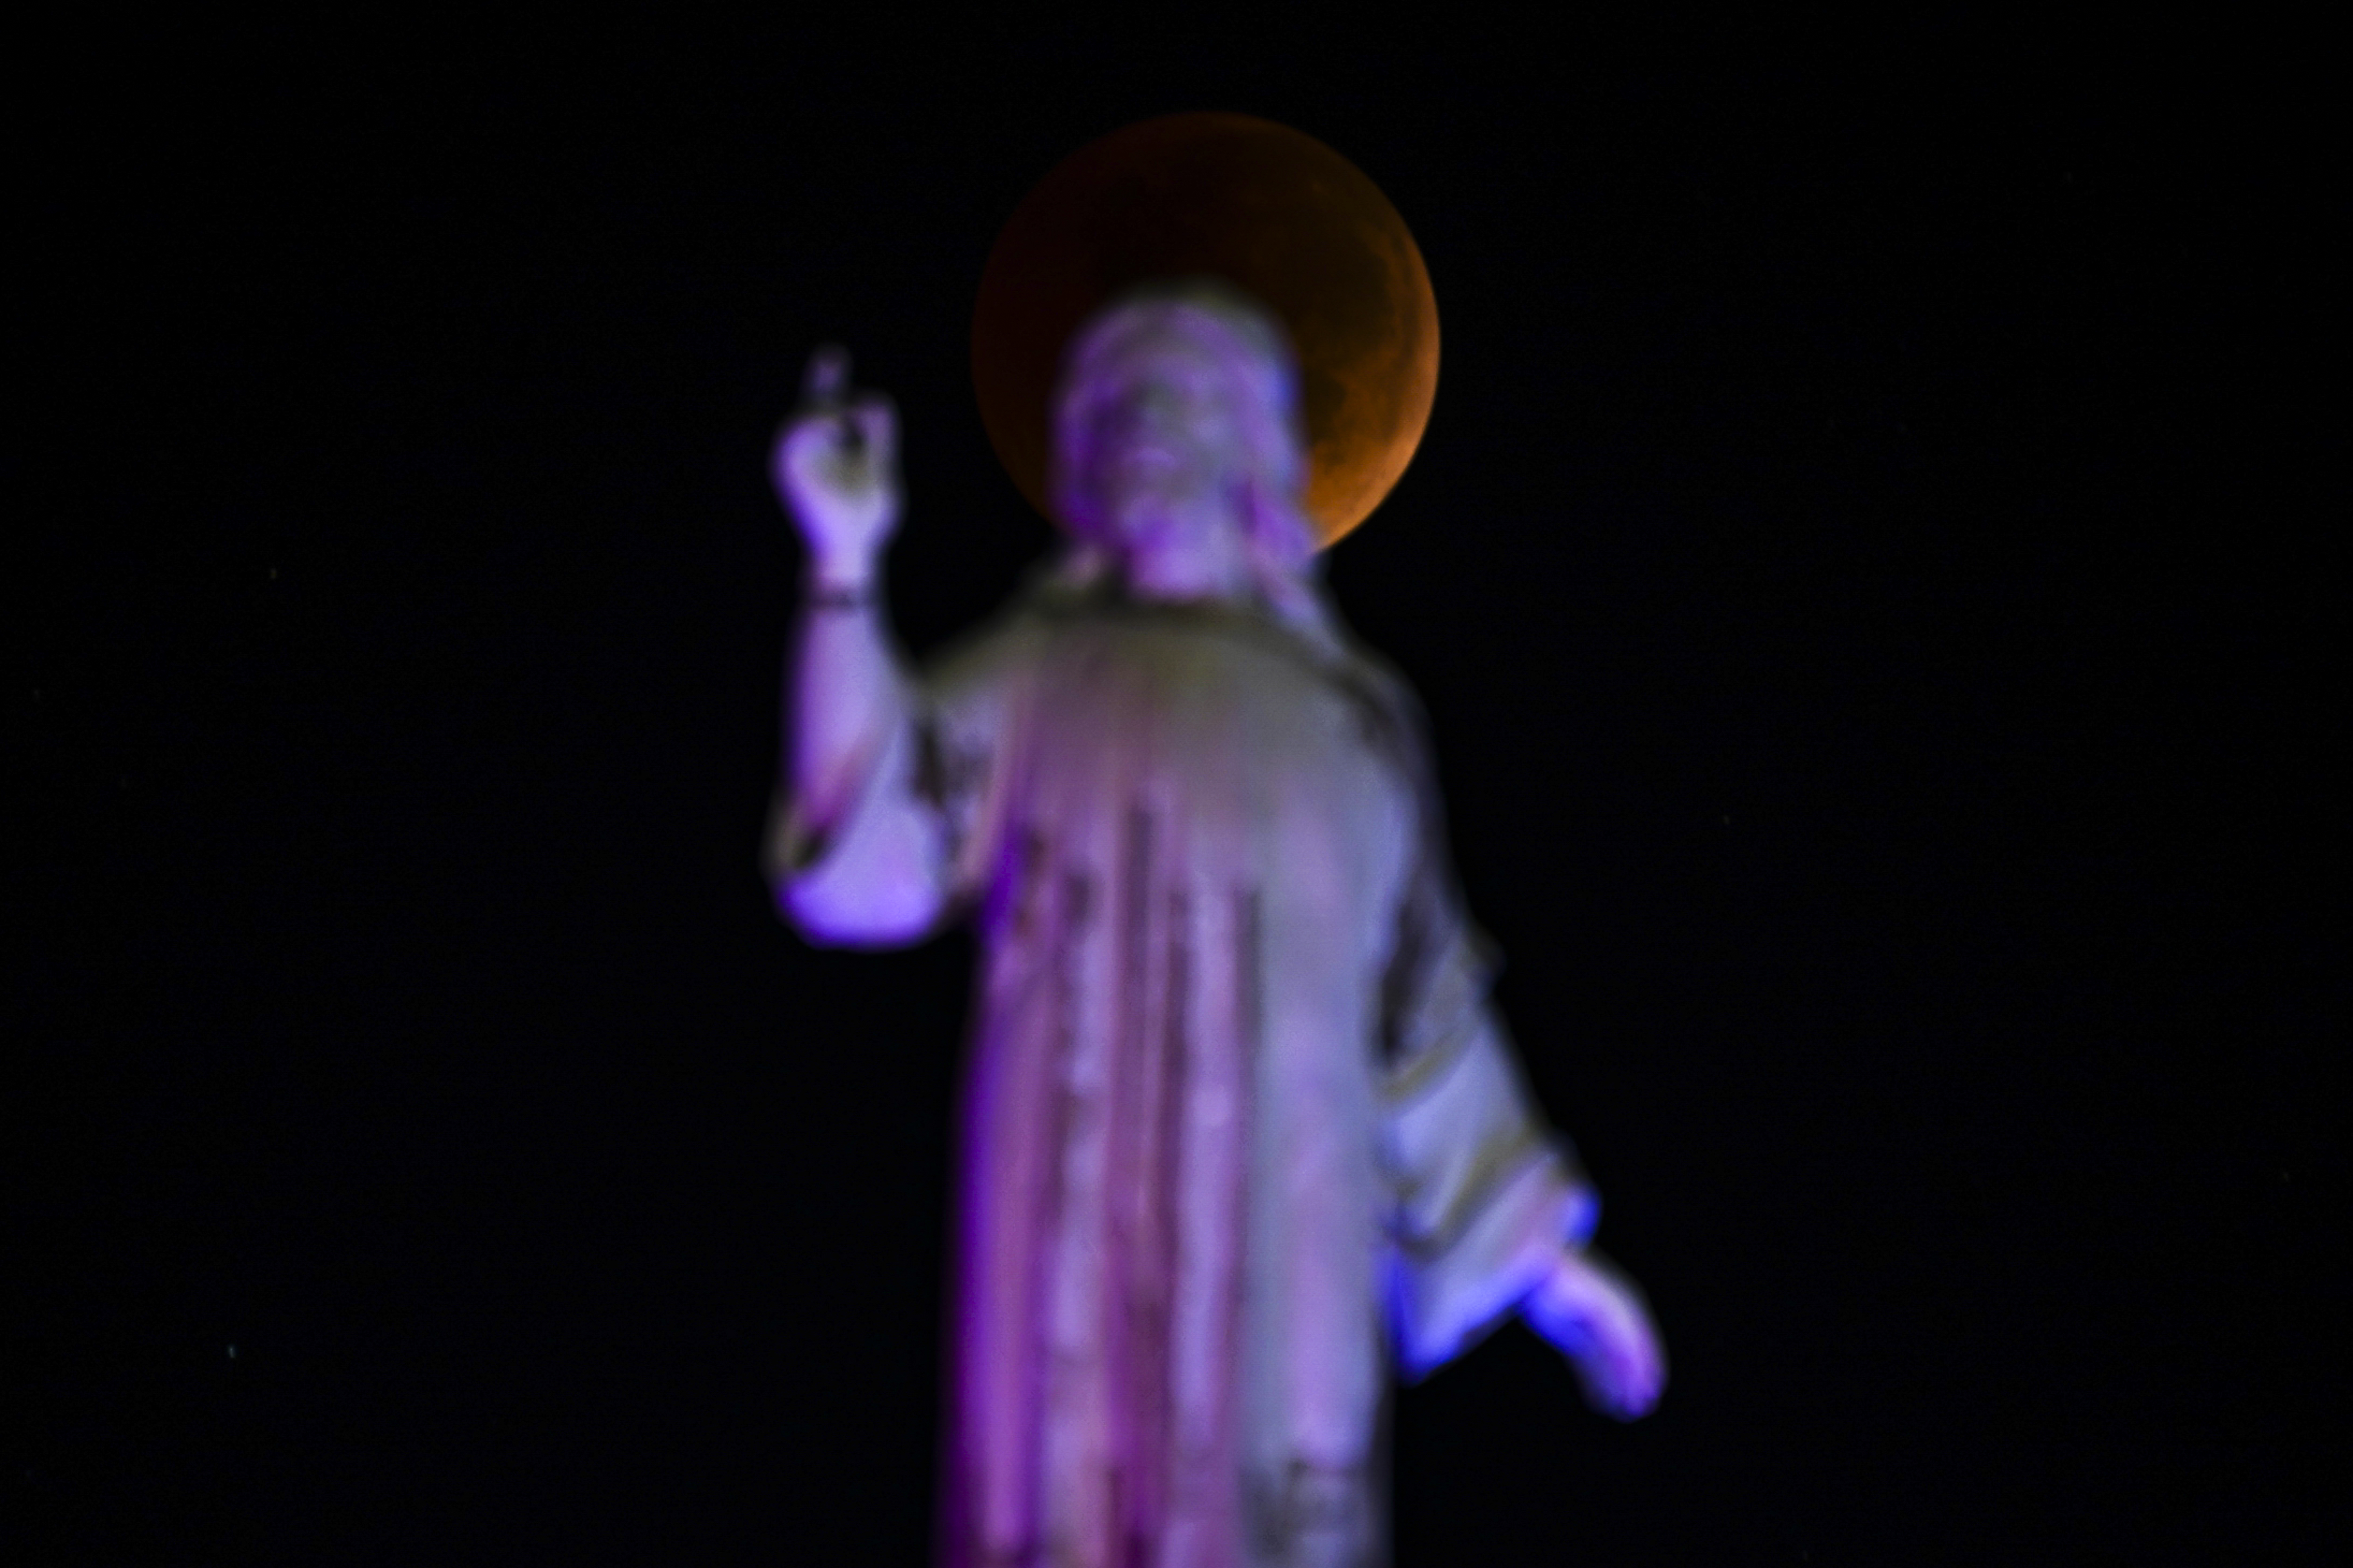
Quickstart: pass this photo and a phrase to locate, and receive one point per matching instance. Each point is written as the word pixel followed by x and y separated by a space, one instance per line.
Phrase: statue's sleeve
pixel 910 853
pixel 1485 1195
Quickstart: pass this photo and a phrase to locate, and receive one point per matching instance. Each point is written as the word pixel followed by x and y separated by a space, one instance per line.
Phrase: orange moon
pixel 1269 210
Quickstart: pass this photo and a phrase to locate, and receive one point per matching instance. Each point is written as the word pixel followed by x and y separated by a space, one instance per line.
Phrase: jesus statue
pixel 1240 1128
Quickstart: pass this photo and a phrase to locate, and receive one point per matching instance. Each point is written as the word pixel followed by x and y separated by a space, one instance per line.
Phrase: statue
pixel 1239 1124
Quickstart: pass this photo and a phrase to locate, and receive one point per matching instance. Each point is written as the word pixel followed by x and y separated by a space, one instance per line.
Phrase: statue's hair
pixel 1270 468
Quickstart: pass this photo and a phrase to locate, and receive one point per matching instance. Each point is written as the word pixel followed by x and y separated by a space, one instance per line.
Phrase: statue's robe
pixel 1238 1123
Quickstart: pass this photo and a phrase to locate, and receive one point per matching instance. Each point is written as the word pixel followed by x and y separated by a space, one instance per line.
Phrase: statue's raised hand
pixel 836 466
pixel 1597 1316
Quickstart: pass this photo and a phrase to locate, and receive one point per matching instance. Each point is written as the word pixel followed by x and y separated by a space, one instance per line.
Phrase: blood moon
pixel 1268 209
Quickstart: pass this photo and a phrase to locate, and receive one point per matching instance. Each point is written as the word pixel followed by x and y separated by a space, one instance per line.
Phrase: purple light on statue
pixel 1239 1129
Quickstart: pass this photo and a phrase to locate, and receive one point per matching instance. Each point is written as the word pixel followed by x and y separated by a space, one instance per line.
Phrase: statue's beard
pixel 1155 494
pixel 1161 519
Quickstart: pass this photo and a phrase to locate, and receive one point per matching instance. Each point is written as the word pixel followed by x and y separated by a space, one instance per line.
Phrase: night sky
pixel 1870 633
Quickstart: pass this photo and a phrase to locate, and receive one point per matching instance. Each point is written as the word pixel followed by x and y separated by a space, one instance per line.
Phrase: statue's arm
pixel 1493 1215
pixel 1597 1318
pixel 852 851
pixel 1493 1212
pixel 1487 1197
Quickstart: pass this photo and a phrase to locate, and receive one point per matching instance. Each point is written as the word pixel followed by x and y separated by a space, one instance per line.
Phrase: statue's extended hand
pixel 836 466
pixel 1595 1315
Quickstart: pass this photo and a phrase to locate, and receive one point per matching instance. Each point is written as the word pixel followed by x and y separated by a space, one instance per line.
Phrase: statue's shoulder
pixel 990 658
pixel 1377 679
pixel 1073 595
pixel 1377 685
pixel 980 661
pixel 1391 711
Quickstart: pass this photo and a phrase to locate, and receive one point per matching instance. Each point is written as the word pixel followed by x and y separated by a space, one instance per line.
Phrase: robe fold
pixel 1239 1124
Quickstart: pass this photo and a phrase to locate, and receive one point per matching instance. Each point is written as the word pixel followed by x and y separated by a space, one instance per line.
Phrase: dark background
pixel 1870 638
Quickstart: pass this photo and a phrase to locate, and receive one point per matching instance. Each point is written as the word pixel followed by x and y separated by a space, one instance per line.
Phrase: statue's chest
pixel 1205 729
pixel 1200 768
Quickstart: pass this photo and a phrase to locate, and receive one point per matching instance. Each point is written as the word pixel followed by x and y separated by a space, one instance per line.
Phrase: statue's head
pixel 1177 434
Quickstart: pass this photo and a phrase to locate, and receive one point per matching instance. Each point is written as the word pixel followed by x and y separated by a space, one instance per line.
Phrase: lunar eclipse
pixel 1267 209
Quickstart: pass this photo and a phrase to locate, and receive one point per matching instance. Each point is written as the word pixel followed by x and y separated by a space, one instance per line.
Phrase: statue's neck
pixel 1160 588
pixel 1204 569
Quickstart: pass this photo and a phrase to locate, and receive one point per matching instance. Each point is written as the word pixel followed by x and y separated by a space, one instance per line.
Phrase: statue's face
pixel 1160 444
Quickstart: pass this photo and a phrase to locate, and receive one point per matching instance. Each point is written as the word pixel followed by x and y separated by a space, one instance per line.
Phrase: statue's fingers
pixel 877 422
pixel 1642 1372
pixel 1626 1373
pixel 810 437
pixel 827 374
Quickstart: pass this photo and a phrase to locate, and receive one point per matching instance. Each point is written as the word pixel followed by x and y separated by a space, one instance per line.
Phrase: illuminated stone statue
pixel 1239 1126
